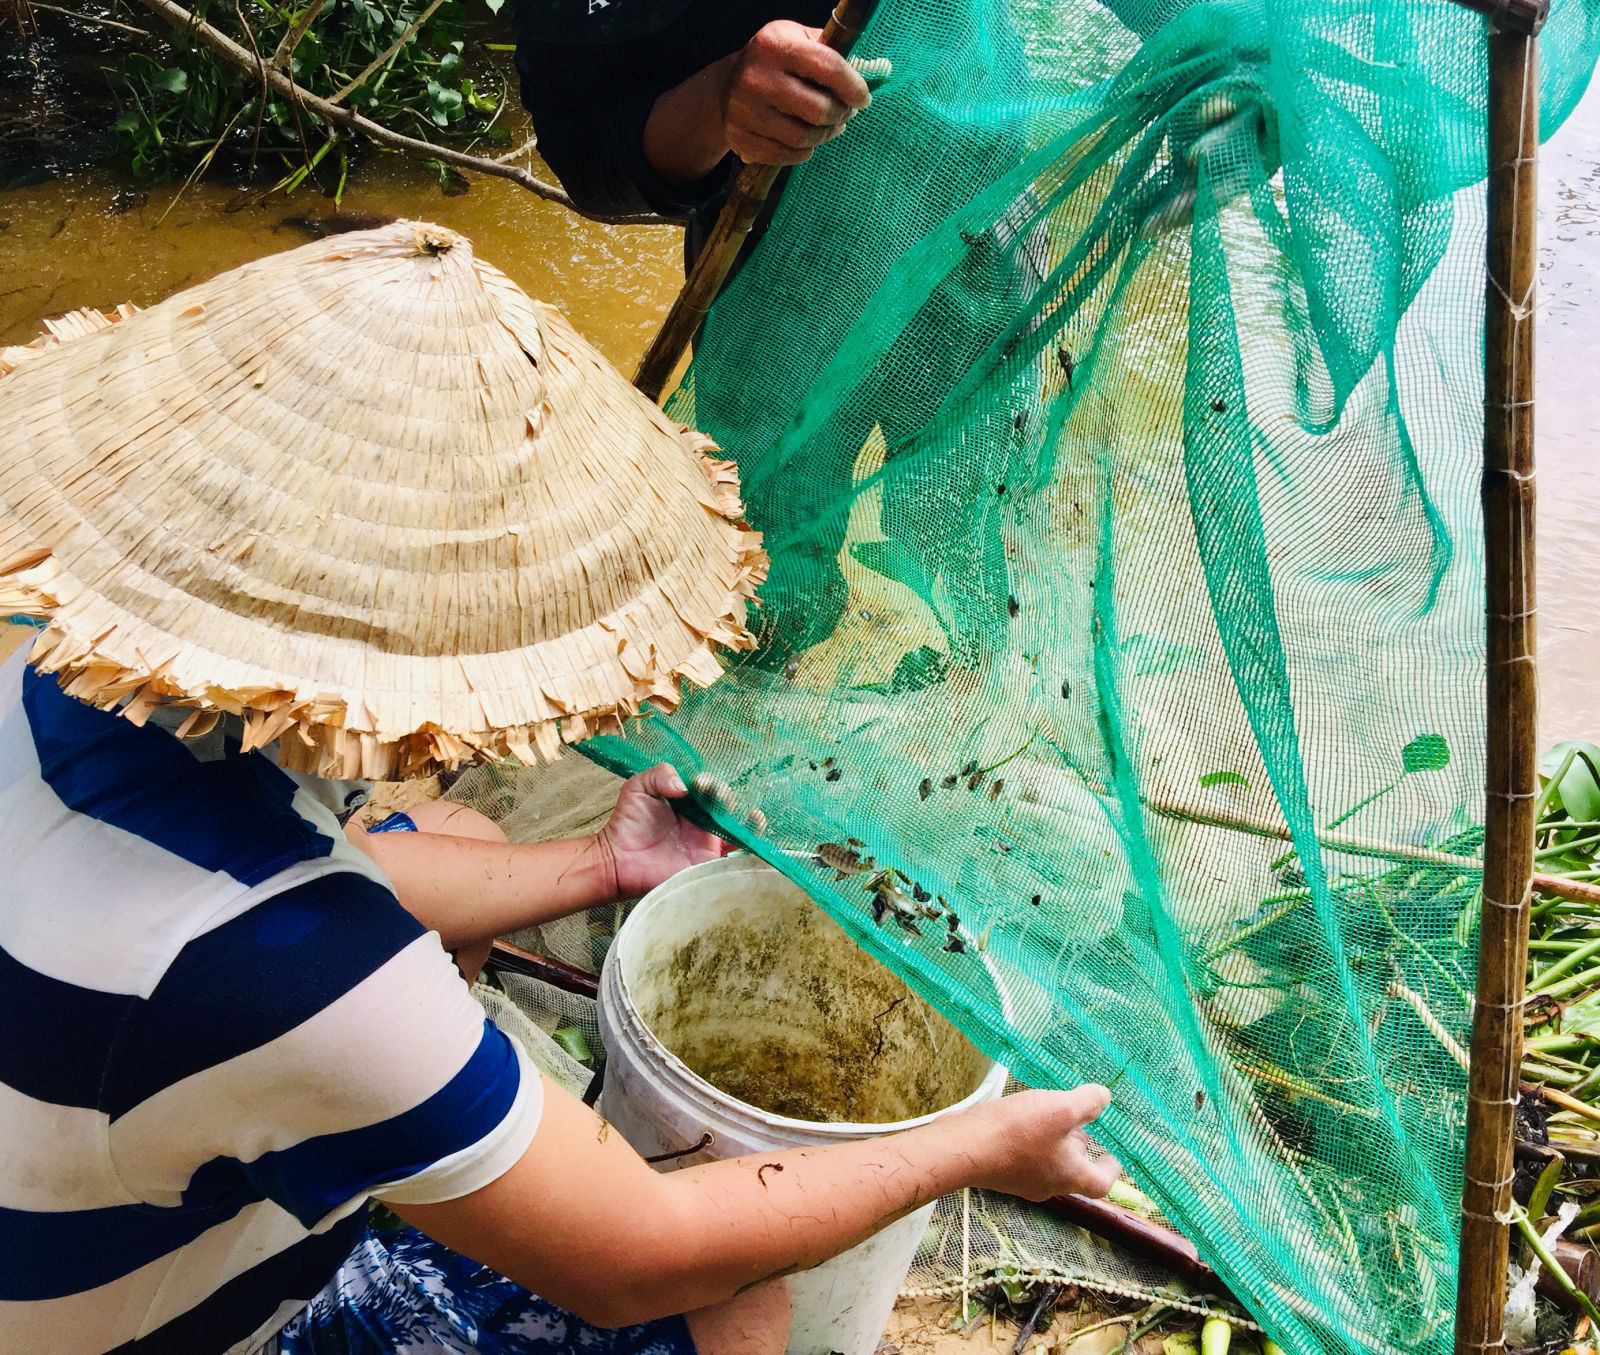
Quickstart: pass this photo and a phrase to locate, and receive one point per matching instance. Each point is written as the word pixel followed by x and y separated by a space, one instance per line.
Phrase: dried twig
pixel 291 39
pixel 389 53
pixel 96 19
pixel 230 51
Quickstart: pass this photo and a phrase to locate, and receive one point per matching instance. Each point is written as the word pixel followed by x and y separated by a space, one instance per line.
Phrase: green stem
pixel 1542 1072
pixel 1562 848
pixel 995 766
pixel 1564 967
pixel 1547 1258
pixel 1572 984
pixel 1552 785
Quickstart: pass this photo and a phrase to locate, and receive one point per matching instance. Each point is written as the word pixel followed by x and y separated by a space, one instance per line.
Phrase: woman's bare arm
pixel 583 1221
pixel 470 885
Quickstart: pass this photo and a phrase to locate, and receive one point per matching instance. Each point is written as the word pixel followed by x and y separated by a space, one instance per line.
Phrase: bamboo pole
pixel 1511 774
pixel 722 247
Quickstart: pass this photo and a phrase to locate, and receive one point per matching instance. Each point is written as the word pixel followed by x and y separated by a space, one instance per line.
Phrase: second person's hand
pixel 787 93
pixel 646 841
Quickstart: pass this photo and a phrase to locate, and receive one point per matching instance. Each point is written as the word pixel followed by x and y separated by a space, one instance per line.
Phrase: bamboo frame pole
pixel 1511 773
pixel 722 247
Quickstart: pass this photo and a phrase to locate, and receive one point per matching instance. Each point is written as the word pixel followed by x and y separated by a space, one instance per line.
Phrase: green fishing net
pixel 1110 399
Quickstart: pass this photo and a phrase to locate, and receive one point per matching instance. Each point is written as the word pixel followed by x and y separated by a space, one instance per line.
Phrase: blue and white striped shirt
pixel 220 1035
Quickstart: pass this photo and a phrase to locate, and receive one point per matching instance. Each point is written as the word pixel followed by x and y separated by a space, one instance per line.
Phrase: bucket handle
pixel 706 1140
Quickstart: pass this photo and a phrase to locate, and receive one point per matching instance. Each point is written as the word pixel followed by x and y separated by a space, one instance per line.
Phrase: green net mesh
pixel 1110 398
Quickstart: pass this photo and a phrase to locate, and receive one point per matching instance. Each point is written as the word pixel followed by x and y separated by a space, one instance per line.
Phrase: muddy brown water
pixel 767 998
pixel 85 238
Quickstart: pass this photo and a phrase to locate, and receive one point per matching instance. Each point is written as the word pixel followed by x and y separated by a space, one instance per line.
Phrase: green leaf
pixel 573 1042
pixel 444 105
pixel 1425 753
pixel 1578 793
pixel 171 79
pixel 1224 779
pixel 478 103
pixel 451 68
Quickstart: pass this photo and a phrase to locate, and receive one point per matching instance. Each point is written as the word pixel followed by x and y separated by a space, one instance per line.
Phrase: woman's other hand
pixel 645 839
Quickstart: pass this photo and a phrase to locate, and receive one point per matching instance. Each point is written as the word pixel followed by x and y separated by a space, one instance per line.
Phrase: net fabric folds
pixel 1110 400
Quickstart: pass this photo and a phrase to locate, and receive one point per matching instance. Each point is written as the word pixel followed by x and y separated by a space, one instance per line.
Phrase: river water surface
pixel 85 238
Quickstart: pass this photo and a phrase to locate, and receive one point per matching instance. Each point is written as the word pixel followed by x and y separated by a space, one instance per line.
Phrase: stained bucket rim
pixel 630 1020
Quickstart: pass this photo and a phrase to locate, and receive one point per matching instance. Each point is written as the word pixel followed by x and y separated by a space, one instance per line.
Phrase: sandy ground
pixel 919 1326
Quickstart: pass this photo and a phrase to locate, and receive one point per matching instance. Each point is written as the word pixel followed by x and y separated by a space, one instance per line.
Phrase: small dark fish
pixel 955 945
pixel 882 884
pixel 792 667
pixel 833 775
pixel 854 842
pixel 880 910
pixel 920 894
pixel 1066 691
pixel 1069 364
pixel 1012 605
pixel 1002 846
pixel 1219 406
pixel 995 787
pixel 1199 1101
pixel 335 223
pixel 970 238
pixel 926 788
pixel 975 780
pixel 908 924
pixel 845 860
pixel 1000 489
pixel 126 199
pixel 1021 421
pixel 929 911
pixel 970 768
pixel 1036 900
pixel 949 783
pixel 827 762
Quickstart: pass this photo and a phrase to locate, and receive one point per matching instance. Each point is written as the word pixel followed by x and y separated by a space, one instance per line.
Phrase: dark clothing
pixel 590 101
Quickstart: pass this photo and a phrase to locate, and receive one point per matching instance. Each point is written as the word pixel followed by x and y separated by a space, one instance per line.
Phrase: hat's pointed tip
pixel 433 240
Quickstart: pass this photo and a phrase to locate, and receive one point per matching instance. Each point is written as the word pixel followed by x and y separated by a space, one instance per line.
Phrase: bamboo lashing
pixel 1511 777
pixel 727 237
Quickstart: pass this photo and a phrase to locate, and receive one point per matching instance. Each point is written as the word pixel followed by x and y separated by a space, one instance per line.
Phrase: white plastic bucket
pixel 731 968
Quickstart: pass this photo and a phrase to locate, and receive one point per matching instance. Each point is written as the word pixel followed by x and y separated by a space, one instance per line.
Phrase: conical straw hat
pixel 369 495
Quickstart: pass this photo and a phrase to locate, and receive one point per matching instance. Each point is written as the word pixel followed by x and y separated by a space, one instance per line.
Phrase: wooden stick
pixel 722 247
pixel 388 54
pixel 557 973
pixel 291 39
pixel 1578 891
pixel 1137 1235
pixel 96 19
pixel 1560 1100
pixel 231 52
pixel 1511 776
